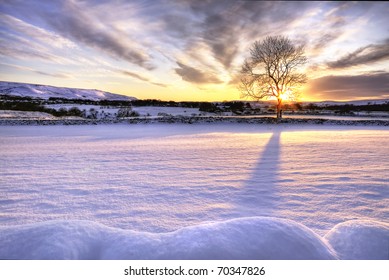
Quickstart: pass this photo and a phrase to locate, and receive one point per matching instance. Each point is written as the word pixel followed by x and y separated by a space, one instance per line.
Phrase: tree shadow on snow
pixel 259 192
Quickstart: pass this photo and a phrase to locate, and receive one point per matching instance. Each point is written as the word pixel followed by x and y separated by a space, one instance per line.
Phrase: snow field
pixel 315 192
pixel 144 111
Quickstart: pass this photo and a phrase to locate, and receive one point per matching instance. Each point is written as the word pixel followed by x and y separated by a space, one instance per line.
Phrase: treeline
pixel 58 100
pixel 34 107
pixel 384 107
pixel 234 105
pixel 26 103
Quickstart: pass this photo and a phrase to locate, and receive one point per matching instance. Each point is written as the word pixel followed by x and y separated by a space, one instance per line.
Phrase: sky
pixel 189 50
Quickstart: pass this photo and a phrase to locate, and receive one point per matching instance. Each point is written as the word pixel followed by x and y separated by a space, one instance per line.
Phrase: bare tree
pixel 272 70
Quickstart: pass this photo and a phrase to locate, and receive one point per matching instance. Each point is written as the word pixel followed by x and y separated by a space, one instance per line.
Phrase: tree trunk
pixel 279 109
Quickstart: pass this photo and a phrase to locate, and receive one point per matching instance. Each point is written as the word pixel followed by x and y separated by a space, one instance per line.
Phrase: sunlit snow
pixel 127 179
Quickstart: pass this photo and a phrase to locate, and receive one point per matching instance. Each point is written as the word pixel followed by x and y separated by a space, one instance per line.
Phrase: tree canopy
pixel 273 70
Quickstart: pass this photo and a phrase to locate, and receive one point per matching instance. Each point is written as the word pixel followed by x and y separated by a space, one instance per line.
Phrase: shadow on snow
pixel 259 191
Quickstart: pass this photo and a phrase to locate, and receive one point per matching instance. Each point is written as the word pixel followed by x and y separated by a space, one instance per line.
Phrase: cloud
pixel 23 40
pixel 193 75
pixel 20 53
pixel 222 37
pixel 79 22
pixel 226 23
pixel 80 26
pixel 33 32
pixel 365 55
pixel 159 84
pixel 235 80
pixel 139 77
pixel 375 84
pixel 322 42
pixel 189 24
pixel 203 42
pixel 54 75
pixel 134 75
pixel 178 25
pixel 44 73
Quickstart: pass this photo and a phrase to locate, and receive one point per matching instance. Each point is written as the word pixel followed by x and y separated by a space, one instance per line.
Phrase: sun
pixel 286 95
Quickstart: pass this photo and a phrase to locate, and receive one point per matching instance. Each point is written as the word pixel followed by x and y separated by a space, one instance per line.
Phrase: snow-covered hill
pixel 45 92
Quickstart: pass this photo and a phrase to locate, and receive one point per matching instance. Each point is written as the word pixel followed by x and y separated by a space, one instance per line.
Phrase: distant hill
pixel 45 92
pixel 325 103
pixel 352 102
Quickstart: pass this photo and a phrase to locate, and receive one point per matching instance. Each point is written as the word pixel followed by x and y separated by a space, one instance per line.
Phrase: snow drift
pixel 360 240
pixel 243 238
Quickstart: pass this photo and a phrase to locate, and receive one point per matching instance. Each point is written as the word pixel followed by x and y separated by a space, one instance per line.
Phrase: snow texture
pixel 360 240
pixel 172 180
pixel 245 238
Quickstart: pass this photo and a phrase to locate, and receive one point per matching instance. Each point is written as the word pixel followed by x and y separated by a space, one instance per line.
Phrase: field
pixel 186 185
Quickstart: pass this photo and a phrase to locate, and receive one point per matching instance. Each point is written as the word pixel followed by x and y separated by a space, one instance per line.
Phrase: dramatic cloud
pixel 221 38
pixel 366 55
pixel 30 42
pixel 193 75
pixel 38 34
pixel 350 87
pixel 203 42
pixel 77 23
pixel 224 25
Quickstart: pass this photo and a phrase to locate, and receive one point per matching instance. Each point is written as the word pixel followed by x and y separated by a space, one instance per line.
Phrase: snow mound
pixel 360 240
pixel 45 92
pixel 244 238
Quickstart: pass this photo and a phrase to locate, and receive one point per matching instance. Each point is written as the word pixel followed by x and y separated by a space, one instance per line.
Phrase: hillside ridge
pixel 46 92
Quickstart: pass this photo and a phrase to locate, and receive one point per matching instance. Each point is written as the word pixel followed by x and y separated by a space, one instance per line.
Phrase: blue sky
pixel 191 50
